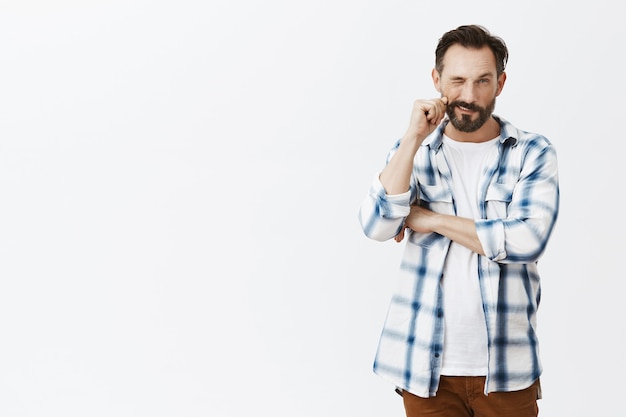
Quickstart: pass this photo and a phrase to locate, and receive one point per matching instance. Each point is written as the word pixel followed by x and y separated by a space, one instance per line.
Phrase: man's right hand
pixel 425 117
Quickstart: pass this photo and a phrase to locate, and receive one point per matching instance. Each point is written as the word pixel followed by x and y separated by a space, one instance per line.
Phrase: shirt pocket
pixel 436 198
pixel 498 198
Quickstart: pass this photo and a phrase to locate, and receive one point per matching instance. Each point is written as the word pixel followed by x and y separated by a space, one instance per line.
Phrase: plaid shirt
pixel 518 202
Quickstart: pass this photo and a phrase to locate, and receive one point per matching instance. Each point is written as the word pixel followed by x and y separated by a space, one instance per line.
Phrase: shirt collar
pixel 508 133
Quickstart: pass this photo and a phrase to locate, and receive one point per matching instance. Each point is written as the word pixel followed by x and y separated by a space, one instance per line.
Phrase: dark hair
pixel 475 37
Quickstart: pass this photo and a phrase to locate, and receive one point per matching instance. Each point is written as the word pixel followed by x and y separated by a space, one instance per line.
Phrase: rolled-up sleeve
pixel 522 235
pixel 382 215
pixel 491 236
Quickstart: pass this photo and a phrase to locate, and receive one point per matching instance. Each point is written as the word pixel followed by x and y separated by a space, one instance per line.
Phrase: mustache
pixel 469 106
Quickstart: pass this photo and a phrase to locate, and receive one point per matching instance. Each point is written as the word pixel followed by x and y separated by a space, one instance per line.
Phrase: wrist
pixel 413 137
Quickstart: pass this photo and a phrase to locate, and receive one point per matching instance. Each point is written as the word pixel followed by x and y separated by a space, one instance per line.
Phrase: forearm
pixel 396 176
pixel 458 229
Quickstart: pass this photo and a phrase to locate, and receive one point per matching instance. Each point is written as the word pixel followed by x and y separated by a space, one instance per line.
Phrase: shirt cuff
pixel 491 235
pixel 390 206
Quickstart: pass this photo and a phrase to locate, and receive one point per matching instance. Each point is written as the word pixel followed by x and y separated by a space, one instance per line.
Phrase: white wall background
pixel 179 184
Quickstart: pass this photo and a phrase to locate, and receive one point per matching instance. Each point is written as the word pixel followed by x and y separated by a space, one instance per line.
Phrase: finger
pixel 399 236
pixel 434 115
pixel 440 106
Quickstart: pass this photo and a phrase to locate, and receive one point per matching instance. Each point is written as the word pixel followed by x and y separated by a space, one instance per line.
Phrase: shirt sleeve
pixel 522 233
pixel 382 215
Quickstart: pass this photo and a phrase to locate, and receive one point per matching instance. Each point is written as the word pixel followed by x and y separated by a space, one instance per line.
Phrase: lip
pixel 464 109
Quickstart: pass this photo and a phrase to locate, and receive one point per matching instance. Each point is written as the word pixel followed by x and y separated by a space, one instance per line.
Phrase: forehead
pixel 460 61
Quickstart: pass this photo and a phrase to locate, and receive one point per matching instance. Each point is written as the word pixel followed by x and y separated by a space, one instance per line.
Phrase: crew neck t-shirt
pixel 465 337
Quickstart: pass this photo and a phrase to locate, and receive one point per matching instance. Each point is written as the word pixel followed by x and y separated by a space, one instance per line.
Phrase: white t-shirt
pixel 465 339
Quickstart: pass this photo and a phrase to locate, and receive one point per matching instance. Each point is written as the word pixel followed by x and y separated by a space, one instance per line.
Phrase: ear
pixel 436 79
pixel 501 80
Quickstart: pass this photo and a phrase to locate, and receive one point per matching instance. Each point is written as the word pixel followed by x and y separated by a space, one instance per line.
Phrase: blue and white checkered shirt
pixel 519 204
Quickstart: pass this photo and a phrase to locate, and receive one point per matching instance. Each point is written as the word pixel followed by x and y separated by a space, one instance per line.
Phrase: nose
pixel 468 92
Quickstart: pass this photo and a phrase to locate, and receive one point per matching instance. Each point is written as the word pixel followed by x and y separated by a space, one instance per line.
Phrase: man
pixel 478 199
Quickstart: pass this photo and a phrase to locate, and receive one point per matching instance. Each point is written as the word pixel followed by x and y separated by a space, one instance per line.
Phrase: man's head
pixel 472 37
pixel 469 71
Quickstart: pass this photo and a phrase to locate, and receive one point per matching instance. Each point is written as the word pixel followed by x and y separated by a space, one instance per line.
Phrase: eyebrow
pixel 485 75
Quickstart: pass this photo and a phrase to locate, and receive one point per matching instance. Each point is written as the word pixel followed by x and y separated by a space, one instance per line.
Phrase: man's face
pixel 469 80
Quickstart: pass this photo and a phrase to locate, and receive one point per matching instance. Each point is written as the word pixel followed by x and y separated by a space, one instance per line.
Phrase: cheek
pixel 449 91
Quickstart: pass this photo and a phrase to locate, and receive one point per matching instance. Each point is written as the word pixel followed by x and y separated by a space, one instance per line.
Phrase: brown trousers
pixel 463 396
